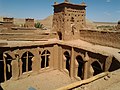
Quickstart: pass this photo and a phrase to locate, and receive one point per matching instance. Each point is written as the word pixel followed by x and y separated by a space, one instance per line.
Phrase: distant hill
pixel 105 23
pixel 90 24
pixel 47 22
pixel 18 21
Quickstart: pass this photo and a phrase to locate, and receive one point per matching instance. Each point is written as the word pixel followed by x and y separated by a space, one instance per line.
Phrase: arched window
pixel 8 66
pixel 114 65
pixel 67 57
pixel 97 68
pixel 45 56
pixel 1 68
pixel 27 61
pixel 80 72
pixel 6 62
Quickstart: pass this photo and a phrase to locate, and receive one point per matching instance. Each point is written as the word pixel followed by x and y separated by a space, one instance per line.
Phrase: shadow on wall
pixel 1 88
pixel 114 65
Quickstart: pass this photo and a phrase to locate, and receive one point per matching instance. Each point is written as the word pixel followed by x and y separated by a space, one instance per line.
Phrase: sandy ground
pixel 115 86
pixel 110 82
pixel 45 81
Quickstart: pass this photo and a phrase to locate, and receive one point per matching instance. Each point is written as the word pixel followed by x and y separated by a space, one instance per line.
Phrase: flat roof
pixel 70 4
pixel 95 48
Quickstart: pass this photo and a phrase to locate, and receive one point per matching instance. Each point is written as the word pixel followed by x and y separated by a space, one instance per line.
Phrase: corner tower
pixel 68 19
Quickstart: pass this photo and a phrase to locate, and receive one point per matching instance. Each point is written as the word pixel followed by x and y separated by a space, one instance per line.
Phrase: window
pixel 27 61
pixel 45 59
pixel 72 19
pixel 1 68
pixel 5 71
pixel 80 71
pixel 67 59
pixel 97 68
pixel 8 66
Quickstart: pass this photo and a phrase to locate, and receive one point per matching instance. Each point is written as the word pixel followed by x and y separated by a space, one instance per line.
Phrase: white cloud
pixel 108 1
pixel 107 13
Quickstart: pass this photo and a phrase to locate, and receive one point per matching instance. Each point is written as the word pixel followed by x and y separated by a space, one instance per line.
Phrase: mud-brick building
pixel 68 53
pixel 29 23
pixel 7 22
pixel 68 19
pixel 77 62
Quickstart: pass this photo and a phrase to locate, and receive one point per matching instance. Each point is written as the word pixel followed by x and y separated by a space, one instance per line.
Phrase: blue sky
pixel 97 10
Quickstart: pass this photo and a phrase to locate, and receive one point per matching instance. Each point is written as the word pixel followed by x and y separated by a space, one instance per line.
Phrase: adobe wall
pixel 104 38
pixel 26 36
pixel 77 63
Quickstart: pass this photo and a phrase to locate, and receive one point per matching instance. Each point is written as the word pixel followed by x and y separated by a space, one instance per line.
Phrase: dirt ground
pixel 110 82
pixel 50 80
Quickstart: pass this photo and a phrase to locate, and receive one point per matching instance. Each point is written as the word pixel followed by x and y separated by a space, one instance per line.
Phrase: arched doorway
pixel 97 68
pixel 67 63
pixel 45 56
pixel 80 72
pixel 27 61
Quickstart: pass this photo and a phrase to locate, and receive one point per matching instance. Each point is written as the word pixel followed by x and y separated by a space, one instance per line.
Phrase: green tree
pixel 39 25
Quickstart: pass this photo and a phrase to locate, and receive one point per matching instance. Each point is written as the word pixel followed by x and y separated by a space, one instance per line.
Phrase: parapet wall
pixel 105 38
pixel 26 35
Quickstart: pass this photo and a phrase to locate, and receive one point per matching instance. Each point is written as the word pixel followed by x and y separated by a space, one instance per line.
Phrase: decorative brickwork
pixel 68 19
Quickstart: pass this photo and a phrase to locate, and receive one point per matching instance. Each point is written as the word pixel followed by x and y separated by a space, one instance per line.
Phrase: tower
pixel 29 23
pixel 68 19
